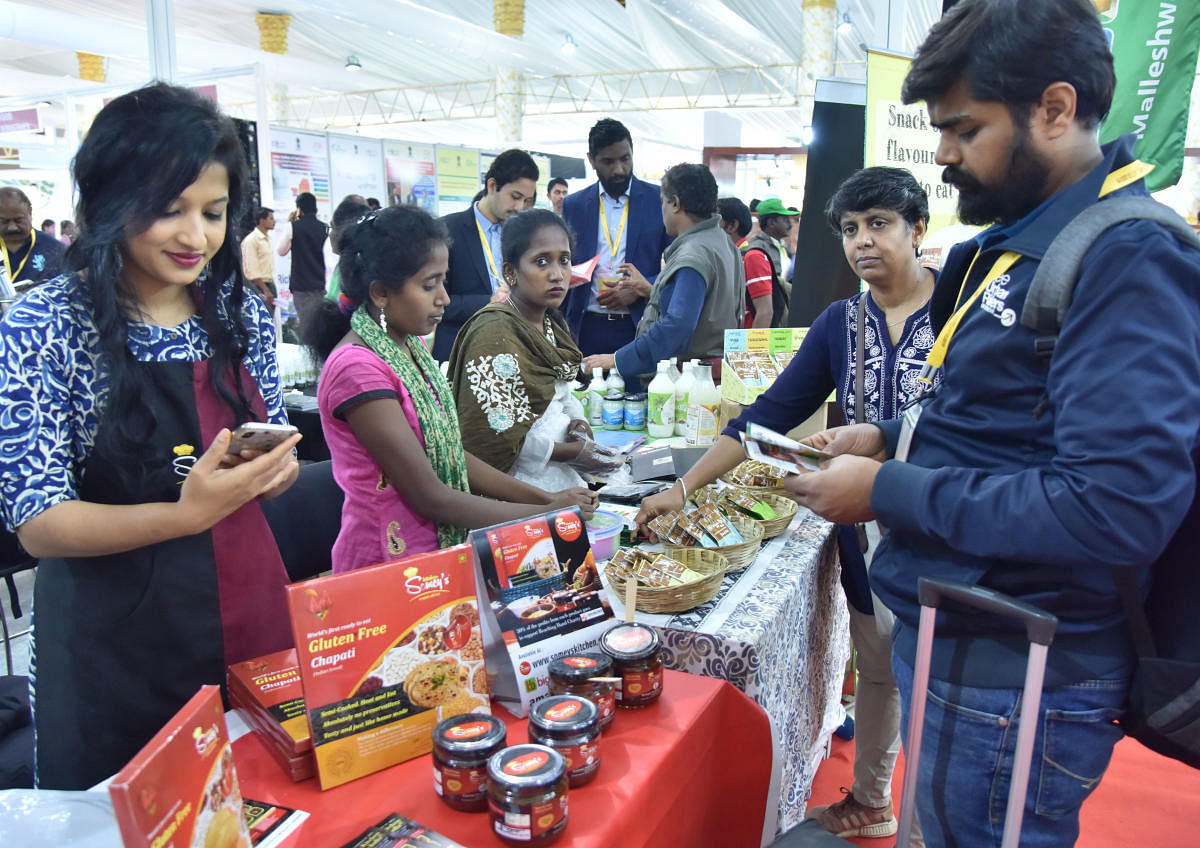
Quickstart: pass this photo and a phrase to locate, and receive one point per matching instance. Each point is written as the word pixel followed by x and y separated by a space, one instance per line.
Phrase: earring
pixel 382 321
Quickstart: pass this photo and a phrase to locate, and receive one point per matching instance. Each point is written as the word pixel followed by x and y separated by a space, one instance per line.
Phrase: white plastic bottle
pixel 615 380
pixel 595 404
pixel 660 404
pixel 682 386
pixel 673 372
pixel 704 408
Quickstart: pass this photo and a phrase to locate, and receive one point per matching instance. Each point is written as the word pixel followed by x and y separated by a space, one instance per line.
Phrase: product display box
pixel 815 423
pixel 267 693
pixel 753 358
pixel 385 653
pixel 544 600
pixel 181 788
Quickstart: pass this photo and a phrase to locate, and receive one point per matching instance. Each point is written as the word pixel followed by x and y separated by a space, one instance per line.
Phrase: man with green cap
pixel 774 223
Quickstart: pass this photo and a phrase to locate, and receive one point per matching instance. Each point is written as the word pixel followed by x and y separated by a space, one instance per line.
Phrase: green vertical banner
pixel 1154 45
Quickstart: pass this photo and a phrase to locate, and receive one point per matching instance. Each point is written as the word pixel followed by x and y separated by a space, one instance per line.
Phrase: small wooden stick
pixel 630 598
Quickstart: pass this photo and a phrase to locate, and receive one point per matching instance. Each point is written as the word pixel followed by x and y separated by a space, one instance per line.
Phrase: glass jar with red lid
pixel 577 674
pixel 569 724
pixel 462 746
pixel 527 795
pixel 636 652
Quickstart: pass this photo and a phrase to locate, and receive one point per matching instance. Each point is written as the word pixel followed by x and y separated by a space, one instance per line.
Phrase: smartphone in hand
pixel 254 435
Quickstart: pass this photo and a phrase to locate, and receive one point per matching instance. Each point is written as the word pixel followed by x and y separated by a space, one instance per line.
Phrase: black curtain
pixel 822 275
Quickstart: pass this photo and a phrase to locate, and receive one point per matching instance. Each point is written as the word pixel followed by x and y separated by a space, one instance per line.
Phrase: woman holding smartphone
pixel 121 382
pixel 387 412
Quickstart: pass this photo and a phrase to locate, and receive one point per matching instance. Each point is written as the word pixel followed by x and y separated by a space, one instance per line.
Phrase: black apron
pixel 121 642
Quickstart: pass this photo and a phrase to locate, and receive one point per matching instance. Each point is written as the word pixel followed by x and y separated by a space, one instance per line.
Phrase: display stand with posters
pixel 543 600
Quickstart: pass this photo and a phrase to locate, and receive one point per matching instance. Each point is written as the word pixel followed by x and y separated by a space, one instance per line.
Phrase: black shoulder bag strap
pixel 859 381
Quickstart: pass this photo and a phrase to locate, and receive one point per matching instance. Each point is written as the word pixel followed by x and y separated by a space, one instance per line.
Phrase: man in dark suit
pixel 473 279
pixel 618 217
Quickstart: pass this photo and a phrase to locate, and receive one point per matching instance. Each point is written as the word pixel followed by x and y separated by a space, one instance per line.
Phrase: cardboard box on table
pixel 541 599
pixel 385 653
pixel 181 788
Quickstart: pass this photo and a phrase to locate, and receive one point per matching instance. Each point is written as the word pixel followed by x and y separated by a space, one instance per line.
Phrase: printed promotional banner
pixel 1154 45
pixel 355 167
pixel 457 178
pixel 900 136
pixel 411 175
pixel 299 163
pixel 544 598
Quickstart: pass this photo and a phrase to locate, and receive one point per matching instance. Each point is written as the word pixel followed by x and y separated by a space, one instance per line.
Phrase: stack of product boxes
pixel 267 693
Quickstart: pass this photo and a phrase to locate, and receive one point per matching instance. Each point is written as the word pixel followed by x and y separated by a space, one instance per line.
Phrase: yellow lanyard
pixel 1119 178
pixel 612 246
pixel 487 250
pixel 12 278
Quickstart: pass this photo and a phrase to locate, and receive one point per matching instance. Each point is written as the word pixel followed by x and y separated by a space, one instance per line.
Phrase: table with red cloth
pixel 693 769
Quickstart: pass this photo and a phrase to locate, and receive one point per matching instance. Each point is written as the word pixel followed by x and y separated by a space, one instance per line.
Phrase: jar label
pixel 579 662
pixel 636 685
pixel 465 784
pixel 468 730
pixel 563 711
pixel 526 763
pixel 581 759
pixel 607 704
pixel 525 823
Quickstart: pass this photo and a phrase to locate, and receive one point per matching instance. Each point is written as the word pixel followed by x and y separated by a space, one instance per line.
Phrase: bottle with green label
pixel 660 408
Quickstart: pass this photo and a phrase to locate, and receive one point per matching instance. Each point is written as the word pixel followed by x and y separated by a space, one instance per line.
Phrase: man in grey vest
pixel 698 293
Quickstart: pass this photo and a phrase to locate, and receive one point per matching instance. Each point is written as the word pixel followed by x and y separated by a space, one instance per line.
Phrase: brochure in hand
pixel 544 598
pixel 385 653
pixel 181 788
pixel 778 451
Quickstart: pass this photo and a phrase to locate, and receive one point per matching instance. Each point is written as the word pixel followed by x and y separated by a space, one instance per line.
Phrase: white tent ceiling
pixel 429 66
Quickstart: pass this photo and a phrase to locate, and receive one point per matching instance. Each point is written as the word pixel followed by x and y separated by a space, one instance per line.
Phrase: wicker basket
pixel 783 505
pixel 704 561
pixel 739 555
pixel 727 477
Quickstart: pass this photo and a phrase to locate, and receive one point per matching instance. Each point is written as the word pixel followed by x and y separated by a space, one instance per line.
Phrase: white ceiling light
pixel 568 46
pixel 845 26
pixel 352 64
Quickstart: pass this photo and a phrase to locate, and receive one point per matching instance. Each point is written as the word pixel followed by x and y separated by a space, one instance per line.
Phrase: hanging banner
pixel 355 167
pixel 900 136
pixel 411 175
pixel 299 163
pixel 457 178
pixel 1154 45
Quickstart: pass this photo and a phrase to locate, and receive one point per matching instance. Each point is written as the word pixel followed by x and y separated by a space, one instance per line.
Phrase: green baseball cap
pixel 773 206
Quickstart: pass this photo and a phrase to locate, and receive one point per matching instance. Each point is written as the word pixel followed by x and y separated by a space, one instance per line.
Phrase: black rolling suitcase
pixel 1039 629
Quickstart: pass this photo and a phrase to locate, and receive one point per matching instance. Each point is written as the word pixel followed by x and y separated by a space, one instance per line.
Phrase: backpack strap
pixel 1054 281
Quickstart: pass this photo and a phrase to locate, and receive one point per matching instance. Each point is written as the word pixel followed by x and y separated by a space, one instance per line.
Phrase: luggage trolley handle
pixel 1039 628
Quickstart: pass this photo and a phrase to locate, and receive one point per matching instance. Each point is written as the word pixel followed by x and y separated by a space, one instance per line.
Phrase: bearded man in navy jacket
pixel 1045 478
pixel 618 217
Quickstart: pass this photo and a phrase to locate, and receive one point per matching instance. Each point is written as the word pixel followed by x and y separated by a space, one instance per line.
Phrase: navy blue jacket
pixel 645 240
pixel 467 280
pixel 1041 479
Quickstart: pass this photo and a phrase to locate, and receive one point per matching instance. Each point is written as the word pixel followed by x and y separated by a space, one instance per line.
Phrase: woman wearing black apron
pixel 120 383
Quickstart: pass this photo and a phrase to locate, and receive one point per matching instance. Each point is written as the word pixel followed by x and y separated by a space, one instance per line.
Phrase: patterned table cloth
pixel 779 631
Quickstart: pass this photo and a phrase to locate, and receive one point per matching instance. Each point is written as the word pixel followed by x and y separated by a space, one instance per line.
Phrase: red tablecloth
pixel 691 770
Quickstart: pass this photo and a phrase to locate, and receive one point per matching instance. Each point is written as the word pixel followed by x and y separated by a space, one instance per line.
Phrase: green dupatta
pixel 434 403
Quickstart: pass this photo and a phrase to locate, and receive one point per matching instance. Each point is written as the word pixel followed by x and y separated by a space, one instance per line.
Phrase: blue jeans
pixel 967 750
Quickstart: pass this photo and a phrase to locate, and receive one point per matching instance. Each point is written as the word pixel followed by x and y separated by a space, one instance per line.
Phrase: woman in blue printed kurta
pixel 120 382
pixel 880 216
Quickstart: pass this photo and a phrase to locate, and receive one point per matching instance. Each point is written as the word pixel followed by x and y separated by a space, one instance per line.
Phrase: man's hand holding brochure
pixel 767 446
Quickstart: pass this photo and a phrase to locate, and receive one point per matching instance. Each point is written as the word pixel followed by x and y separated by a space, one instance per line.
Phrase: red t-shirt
pixel 758 278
